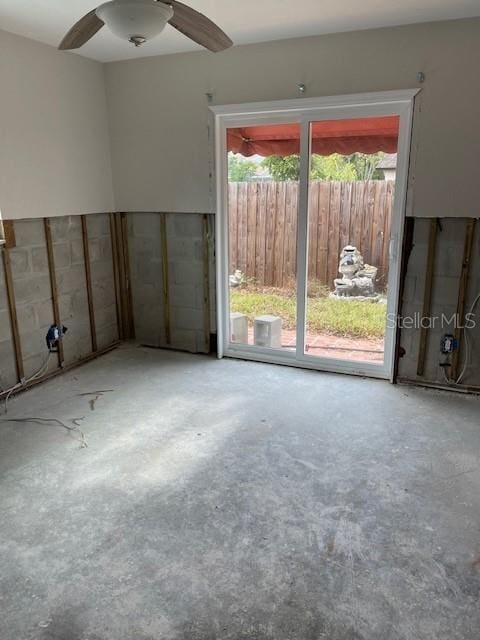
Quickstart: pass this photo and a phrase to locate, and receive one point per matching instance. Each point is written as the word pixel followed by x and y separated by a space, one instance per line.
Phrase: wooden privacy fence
pixel 263 228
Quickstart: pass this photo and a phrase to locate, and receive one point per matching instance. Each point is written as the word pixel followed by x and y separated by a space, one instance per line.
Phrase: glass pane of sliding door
pixel 262 192
pixel 351 190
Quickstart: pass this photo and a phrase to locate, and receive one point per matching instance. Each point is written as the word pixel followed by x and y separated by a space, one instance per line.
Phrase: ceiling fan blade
pixel 82 31
pixel 198 27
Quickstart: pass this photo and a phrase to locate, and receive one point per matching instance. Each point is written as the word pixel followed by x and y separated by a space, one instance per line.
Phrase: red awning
pixel 365 135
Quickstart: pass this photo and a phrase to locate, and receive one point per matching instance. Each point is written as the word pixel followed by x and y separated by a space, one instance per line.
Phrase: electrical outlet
pixel 448 344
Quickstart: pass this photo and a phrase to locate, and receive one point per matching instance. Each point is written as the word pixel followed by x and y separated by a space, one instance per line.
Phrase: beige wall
pixel 54 147
pixel 158 110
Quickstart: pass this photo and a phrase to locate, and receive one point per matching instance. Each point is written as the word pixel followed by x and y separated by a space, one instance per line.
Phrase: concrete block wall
pixel 72 286
pixel 147 278
pixel 33 292
pixel 445 286
pixel 8 374
pixel 101 267
pixel 186 281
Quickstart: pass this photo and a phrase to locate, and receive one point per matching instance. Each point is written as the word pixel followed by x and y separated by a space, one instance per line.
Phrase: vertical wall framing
pixel 53 285
pixel 165 279
pixel 121 264
pixel 56 278
pixel 88 282
pixel 13 314
pixel 427 295
pixel 303 111
pixel 462 295
pixel 206 281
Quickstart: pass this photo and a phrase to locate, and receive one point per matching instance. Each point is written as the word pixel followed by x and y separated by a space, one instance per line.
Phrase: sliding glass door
pixel 311 206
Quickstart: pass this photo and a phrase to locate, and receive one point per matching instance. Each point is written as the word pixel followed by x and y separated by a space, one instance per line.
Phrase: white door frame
pixel 304 111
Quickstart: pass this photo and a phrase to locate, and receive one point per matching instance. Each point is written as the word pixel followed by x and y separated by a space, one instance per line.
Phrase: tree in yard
pixel 240 169
pixel 358 166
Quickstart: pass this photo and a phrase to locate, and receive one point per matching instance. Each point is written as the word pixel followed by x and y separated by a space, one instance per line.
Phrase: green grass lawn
pixel 324 314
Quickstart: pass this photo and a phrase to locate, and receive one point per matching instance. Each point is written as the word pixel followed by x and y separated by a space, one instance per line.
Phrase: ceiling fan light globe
pixel 140 19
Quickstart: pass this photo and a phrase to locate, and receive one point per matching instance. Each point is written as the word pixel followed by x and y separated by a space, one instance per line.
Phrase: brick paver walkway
pixel 329 346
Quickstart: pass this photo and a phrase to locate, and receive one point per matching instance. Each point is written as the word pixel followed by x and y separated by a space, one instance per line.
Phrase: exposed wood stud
pixel 9 234
pixel 407 247
pixel 113 238
pixel 165 278
pixel 128 299
pixel 121 276
pixel 206 281
pixel 462 295
pixel 53 286
pixel 88 280
pixel 427 295
pixel 17 345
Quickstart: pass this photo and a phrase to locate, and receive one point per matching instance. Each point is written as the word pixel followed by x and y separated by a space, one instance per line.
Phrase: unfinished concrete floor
pixel 234 500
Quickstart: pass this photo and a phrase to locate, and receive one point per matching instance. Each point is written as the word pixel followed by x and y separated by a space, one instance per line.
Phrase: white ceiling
pixel 245 21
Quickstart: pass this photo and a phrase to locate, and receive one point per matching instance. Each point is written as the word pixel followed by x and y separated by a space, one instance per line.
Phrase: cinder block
pixel 187 318
pixel 185 249
pixel 32 289
pixel 185 272
pixel 417 262
pixel 144 225
pixel 45 313
pixel 203 344
pixel 105 316
pixel 66 228
pixel 20 263
pixel 69 280
pixel 32 364
pixel 33 343
pixel 183 295
pixel 5 326
pixel 77 343
pixel 39 258
pixel 98 224
pixel 102 272
pixel 238 328
pixel 445 292
pixel 76 252
pixel 8 372
pixel 100 250
pixel 268 331
pixel 3 290
pixel 186 225
pixel 29 233
pixel 27 318
pixel 62 255
pixel 80 303
pixel 449 258
pixel 107 336
pixel 185 340
pixel 103 293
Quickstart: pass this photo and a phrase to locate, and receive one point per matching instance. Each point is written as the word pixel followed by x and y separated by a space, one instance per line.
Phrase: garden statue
pixel 358 279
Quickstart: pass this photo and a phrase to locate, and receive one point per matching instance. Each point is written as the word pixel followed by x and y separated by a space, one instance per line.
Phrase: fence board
pixel 280 235
pixel 271 212
pixel 252 203
pixel 261 233
pixel 263 228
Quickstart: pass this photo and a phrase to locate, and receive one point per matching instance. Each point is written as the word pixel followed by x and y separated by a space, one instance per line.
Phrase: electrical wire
pixel 7 393
pixel 467 343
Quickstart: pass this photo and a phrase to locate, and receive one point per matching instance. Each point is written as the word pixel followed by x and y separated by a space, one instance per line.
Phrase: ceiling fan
pixel 140 20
